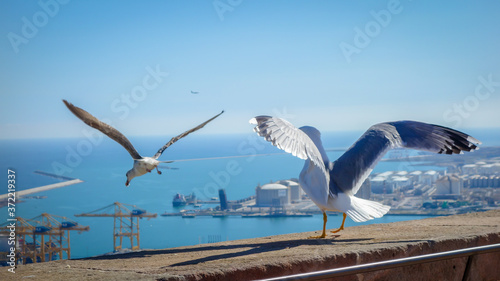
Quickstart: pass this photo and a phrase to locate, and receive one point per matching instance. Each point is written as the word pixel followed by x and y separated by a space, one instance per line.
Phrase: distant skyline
pixel 335 65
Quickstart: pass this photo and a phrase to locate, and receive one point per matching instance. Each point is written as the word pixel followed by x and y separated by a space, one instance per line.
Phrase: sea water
pixel 101 164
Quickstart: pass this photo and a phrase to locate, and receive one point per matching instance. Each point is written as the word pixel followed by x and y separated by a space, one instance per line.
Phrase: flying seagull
pixel 194 93
pixel 332 185
pixel 142 165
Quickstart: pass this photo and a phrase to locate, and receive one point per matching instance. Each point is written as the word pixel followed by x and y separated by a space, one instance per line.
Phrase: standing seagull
pixel 332 185
pixel 142 165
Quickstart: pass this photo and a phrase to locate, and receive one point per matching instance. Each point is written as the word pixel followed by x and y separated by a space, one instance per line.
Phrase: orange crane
pixel 123 221
pixel 42 238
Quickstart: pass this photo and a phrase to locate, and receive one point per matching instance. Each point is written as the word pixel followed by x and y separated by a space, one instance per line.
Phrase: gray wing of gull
pixel 287 137
pixel 106 129
pixel 174 139
pixel 350 171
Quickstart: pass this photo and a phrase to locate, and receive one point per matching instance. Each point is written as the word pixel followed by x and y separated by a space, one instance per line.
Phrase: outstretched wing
pixel 106 129
pixel 353 167
pixel 174 139
pixel 287 137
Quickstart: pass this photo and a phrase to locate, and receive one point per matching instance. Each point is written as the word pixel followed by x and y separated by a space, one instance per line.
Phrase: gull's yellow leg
pixel 342 226
pixel 323 235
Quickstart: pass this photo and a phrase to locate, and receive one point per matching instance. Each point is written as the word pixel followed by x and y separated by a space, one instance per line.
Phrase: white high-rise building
pixel 449 184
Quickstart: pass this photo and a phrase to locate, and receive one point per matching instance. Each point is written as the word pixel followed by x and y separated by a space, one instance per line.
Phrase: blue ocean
pixel 101 164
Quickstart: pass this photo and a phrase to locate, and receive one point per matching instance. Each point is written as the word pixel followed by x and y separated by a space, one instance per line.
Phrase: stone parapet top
pixel 294 253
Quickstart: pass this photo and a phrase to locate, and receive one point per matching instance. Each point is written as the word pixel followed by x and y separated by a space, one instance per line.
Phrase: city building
pixel 401 173
pixel 365 191
pixel 390 181
pixel 381 185
pixel 469 169
pixel 479 181
pixel 449 185
pixel 295 189
pixel 399 182
pixel 272 195
pixel 429 177
pixel 416 176
pixel 489 169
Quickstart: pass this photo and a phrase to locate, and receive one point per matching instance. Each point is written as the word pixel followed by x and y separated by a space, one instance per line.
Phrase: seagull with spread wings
pixel 332 185
pixel 142 165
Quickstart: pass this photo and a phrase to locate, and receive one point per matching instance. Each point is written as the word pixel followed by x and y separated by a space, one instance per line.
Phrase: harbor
pixel 243 214
pixel 247 207
pixel 451 187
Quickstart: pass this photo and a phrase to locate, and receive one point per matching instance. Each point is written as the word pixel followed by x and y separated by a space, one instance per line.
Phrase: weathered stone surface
pixel 293 253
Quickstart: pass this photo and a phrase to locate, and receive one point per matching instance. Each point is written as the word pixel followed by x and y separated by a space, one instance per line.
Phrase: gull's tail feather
pixel 363 210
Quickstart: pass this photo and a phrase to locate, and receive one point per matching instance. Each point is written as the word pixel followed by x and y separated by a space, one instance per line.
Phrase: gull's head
pixel 313 134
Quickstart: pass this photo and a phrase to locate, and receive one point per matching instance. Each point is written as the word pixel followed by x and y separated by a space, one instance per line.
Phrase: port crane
pixel 42 238
pixel 125 222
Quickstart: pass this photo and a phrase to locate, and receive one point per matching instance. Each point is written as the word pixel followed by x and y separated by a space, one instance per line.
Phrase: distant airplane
pixel 195 93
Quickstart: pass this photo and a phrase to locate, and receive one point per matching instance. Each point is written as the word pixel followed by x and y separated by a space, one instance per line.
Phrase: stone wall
pixel 294 253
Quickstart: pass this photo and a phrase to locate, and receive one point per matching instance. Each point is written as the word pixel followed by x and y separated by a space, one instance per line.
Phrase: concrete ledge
pixel 291 254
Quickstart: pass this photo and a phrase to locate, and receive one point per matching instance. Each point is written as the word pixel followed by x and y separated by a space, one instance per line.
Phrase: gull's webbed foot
pixel 341 226
pixel 159 172
pixel 335 231
pixel 323 234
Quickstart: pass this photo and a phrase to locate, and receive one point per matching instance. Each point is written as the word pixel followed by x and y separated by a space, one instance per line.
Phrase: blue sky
pixel 335 65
